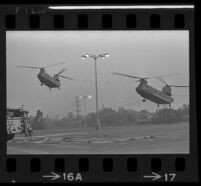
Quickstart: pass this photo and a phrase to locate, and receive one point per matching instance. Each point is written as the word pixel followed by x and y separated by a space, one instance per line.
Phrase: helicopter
pixel 46 79
pixel 160 97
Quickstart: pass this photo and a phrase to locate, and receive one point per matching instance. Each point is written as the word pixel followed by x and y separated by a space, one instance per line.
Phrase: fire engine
pixel 18 123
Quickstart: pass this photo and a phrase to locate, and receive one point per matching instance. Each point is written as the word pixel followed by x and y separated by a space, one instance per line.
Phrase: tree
pixel 108 116
pixel 143 114
pixel 166 115
pixel 127 117
pixel 38 122
pixel 91 119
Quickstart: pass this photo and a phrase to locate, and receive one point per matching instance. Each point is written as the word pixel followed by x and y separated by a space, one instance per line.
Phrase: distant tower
pixel 77 110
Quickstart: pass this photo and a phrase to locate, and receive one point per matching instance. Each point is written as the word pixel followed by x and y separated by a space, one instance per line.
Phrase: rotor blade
pixel 66 77
pixel 64 69
pixel 162 76
pixel 143 77
pixel 116 73
pixel 28 67
pixel 178 86
pixel 53 65
pixel 162 80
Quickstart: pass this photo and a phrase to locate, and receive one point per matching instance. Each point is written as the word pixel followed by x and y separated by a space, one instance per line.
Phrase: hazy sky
pixel 138 53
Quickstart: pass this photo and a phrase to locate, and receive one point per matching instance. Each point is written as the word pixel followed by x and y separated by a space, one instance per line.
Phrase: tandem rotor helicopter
pixel 160 97
pixel 48 80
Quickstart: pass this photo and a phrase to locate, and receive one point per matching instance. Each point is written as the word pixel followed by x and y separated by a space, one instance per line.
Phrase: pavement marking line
pixel 71 146
pixel 52 135
pixel 168 132
pixel 27 151
pixel 62 145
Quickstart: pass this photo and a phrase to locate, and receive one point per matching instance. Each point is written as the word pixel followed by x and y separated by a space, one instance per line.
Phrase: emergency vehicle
pixel 18 123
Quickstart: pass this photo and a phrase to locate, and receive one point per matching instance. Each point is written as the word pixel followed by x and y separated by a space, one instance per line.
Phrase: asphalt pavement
pixel 140 139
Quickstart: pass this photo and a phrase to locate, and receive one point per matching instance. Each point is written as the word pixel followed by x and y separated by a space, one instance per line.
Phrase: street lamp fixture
pixel 104 55
pixel 85 56
pixel 95 57
pixel 85 97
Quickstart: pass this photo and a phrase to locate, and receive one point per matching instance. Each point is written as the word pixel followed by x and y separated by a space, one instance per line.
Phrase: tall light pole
pixel 95 57
pixel 85 107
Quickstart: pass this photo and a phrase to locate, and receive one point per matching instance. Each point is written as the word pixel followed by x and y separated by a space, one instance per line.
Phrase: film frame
pixel 98 168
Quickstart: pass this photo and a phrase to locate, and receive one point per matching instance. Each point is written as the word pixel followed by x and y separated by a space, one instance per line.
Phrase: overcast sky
pixel 138 53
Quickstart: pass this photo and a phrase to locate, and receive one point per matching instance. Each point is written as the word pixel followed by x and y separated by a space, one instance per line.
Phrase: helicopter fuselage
pixel 48 80
pixel 152 94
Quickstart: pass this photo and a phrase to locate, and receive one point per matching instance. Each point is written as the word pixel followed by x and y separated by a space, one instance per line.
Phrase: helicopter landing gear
pixel 143 100
pixel 158 105
pixel 41 84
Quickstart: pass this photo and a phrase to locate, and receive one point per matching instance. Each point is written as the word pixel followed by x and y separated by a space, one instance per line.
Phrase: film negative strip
pixel 92 123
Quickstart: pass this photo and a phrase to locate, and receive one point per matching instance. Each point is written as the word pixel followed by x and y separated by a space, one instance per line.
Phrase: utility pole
pixel 77 110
